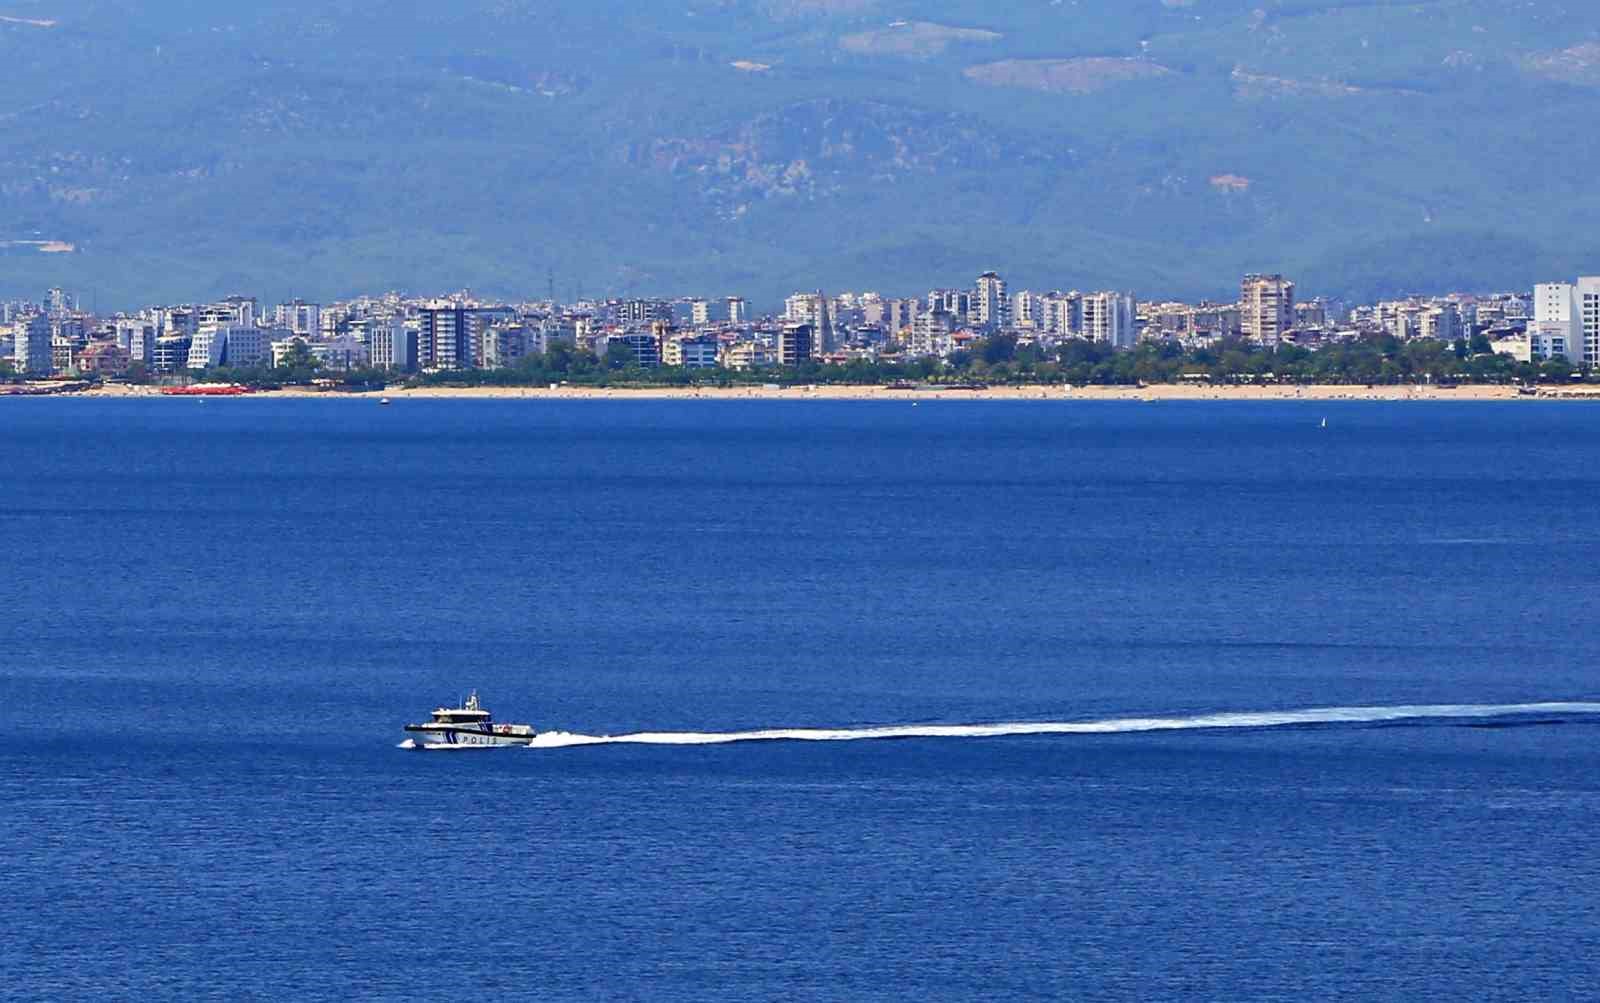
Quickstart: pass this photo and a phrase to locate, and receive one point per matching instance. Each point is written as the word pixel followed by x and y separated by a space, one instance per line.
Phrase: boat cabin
pixel 469 713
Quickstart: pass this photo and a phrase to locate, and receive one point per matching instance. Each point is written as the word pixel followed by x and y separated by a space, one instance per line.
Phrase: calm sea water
pixel 217 615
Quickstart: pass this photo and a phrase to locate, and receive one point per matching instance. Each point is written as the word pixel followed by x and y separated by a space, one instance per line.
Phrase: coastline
pixel 1161 392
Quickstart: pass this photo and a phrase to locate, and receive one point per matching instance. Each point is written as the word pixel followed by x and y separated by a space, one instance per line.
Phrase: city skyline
pixel 404 334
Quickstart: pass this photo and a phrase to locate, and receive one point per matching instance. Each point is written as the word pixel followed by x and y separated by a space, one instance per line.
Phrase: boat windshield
pixel 459 716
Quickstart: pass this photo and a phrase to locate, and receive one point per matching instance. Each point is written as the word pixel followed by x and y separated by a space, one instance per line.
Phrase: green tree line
pixel 1000 359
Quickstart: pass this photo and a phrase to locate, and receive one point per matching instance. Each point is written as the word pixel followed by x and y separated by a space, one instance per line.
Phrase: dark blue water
pixel 217 615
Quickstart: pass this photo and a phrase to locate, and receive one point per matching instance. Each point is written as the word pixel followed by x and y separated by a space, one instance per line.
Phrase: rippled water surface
pixel 1171 701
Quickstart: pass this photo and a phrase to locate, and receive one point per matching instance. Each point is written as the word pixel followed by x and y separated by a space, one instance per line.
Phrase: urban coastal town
pixel 982 337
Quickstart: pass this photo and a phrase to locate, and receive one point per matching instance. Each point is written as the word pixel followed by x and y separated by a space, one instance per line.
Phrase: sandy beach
pixel 1019 393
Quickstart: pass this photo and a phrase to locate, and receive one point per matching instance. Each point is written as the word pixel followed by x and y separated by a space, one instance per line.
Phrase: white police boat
pixel 467 727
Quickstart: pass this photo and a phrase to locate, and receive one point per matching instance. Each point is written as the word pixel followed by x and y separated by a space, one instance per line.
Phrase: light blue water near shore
pixel 217 615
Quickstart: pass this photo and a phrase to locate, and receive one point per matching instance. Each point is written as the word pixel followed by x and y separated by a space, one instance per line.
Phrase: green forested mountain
pixel 188 149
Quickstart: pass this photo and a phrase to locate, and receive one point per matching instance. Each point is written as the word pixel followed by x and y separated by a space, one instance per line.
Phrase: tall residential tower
pixel 1110 317
pixel 1266 308
pixel 991 305
pixel 1589 304
pixel 1556 330
pixel 443 339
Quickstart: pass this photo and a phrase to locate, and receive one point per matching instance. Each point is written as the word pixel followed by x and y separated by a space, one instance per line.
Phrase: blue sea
pixel 218 614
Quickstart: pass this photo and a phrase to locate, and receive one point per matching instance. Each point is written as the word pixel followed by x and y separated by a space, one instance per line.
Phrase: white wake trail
pixel 1114 726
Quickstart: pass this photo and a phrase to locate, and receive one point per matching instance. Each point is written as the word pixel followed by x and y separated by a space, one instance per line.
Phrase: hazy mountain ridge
pixel 815 149
pixel 758 145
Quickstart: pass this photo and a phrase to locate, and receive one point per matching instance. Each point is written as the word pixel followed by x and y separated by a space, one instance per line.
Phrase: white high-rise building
pixel 931 333
pixel 235 318
pixel 137 337
pixel 1062 313
pixel 899 314
pixel 1555 302
pixel 738 310
pixel 248 345
pixel 699 313
pixel 1589 317
pixel 215 315
pixel 1110 317
pixel 826 336
pixel 1027 311
pixel 1266 308
pixel 300 317
pixel 206 348
pixel 175 321
pixel 1441 321
pixel 802 308
pixel 243 309
pixel 1556 329
pixel 991 307
pixel 956 302
pixel 32 350
pixel 443 340
pixel 392 344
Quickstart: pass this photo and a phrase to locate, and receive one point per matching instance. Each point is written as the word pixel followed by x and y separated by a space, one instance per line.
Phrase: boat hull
pixel 423 737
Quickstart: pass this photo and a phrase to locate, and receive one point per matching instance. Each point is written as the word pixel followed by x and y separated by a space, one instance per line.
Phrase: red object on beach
pixel 207 390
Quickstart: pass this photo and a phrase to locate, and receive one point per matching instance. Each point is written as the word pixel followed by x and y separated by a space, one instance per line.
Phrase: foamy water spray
pixel 1114 726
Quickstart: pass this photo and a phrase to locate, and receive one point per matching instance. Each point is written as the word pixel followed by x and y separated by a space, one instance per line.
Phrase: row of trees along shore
pixel 1379 359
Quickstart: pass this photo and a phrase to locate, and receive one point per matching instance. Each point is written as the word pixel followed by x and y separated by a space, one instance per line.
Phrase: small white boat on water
pixel 466 727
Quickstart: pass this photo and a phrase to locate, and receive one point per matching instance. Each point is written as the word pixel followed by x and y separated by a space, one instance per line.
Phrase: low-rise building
pixel 171 353
pixel 340 353
pixel 63 355
pixel 1517 346
pixel 588 333
pixel 504 345
pixel 795 344
pixel 699 352
pixel 746 354
pixel 554 329
pixel 1554 340
pixel 645 348
pixel 103 358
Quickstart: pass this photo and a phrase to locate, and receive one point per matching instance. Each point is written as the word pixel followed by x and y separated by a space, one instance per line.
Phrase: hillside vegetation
pixel 166 149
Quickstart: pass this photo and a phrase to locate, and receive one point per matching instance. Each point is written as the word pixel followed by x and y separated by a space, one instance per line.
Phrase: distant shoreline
pixel 1162 392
